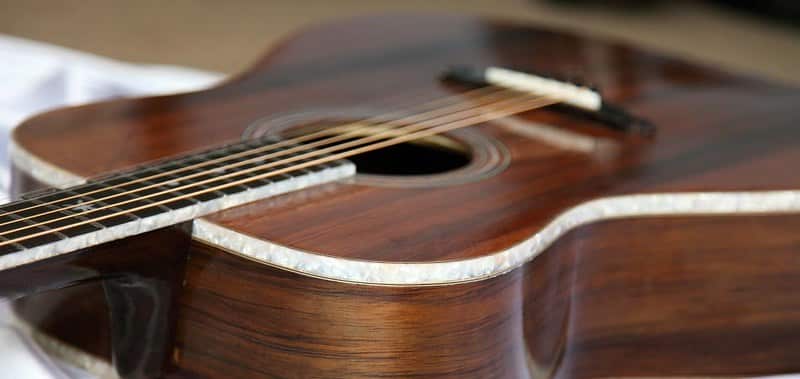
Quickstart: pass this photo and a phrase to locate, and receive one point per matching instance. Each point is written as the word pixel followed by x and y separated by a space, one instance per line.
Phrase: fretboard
pixel 164 193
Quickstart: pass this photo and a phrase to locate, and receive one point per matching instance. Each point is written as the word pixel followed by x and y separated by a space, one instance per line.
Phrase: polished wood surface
pixel 595 305
pixel 126 306
pixel 678 296
pixel 716 132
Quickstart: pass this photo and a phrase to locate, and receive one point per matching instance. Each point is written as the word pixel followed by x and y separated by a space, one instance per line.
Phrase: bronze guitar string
pixel 496 113
pixel 293 140
pixel 288 169
pixel 247 152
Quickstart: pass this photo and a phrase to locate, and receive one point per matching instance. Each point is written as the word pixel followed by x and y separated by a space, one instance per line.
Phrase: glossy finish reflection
pixel 129 286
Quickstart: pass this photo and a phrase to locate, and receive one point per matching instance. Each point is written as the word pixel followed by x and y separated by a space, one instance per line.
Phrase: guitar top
pixel 551 244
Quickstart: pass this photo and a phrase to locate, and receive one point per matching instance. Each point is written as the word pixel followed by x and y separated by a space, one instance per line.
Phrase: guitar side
pixel 688 294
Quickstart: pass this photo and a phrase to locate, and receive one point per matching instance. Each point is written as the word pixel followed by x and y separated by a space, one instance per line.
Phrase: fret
pixel 211 171
pixel 116 196
pixel 27 218
pixel 157 193
pixel 86 198
pixel 20 226
pixel 56 216
pixel 124 203
pixel 179 180
pixel 218 169
pixel 182 161
pixel 205 155
pixel 79 207
pixel 207 173
pixel 72 230
pixel 225 154
pixel 219 151
pixel 254 183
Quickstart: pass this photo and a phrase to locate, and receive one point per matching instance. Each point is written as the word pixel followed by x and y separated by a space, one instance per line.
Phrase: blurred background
pixel 757 36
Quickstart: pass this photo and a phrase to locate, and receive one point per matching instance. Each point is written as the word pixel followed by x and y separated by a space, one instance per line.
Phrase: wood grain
pixel 716 133
pixel 641 297
pixel 595 304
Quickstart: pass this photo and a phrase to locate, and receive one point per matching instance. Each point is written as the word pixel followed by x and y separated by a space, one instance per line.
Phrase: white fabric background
pixel 35 77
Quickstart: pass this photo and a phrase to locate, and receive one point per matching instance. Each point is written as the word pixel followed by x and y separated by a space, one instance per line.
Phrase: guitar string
pixel 273 146
pixel 537 103
pixel 217 178
pixel 256 158
pixel 497 113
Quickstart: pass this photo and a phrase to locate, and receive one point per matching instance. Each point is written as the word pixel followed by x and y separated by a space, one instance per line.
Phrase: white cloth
pixel 35 77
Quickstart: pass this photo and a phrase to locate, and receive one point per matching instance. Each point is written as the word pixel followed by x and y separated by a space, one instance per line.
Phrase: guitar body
pixel 538 258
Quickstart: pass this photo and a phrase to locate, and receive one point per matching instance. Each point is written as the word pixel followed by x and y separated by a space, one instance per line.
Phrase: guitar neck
pixel 54 222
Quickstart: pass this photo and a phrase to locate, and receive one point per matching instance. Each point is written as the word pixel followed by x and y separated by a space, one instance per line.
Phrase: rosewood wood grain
pixel 594 305
pixel 679 296
pixel 717 132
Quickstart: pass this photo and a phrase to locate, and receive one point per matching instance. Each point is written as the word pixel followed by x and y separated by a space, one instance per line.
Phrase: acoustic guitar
pixel 418 195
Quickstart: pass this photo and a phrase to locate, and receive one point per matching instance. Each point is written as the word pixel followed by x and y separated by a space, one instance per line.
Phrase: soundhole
pixel 427 156
pixel 456 157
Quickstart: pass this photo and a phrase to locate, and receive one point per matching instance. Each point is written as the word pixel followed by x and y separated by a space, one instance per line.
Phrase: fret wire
pixel 162 191
pixel 80 203
pixel 177 179
pixel 28 221
pixel 540 102
pixel 333 130
pixel 44 231
pixel 78 230
pixel 78 216
pixel 68 213
pixel 120 193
